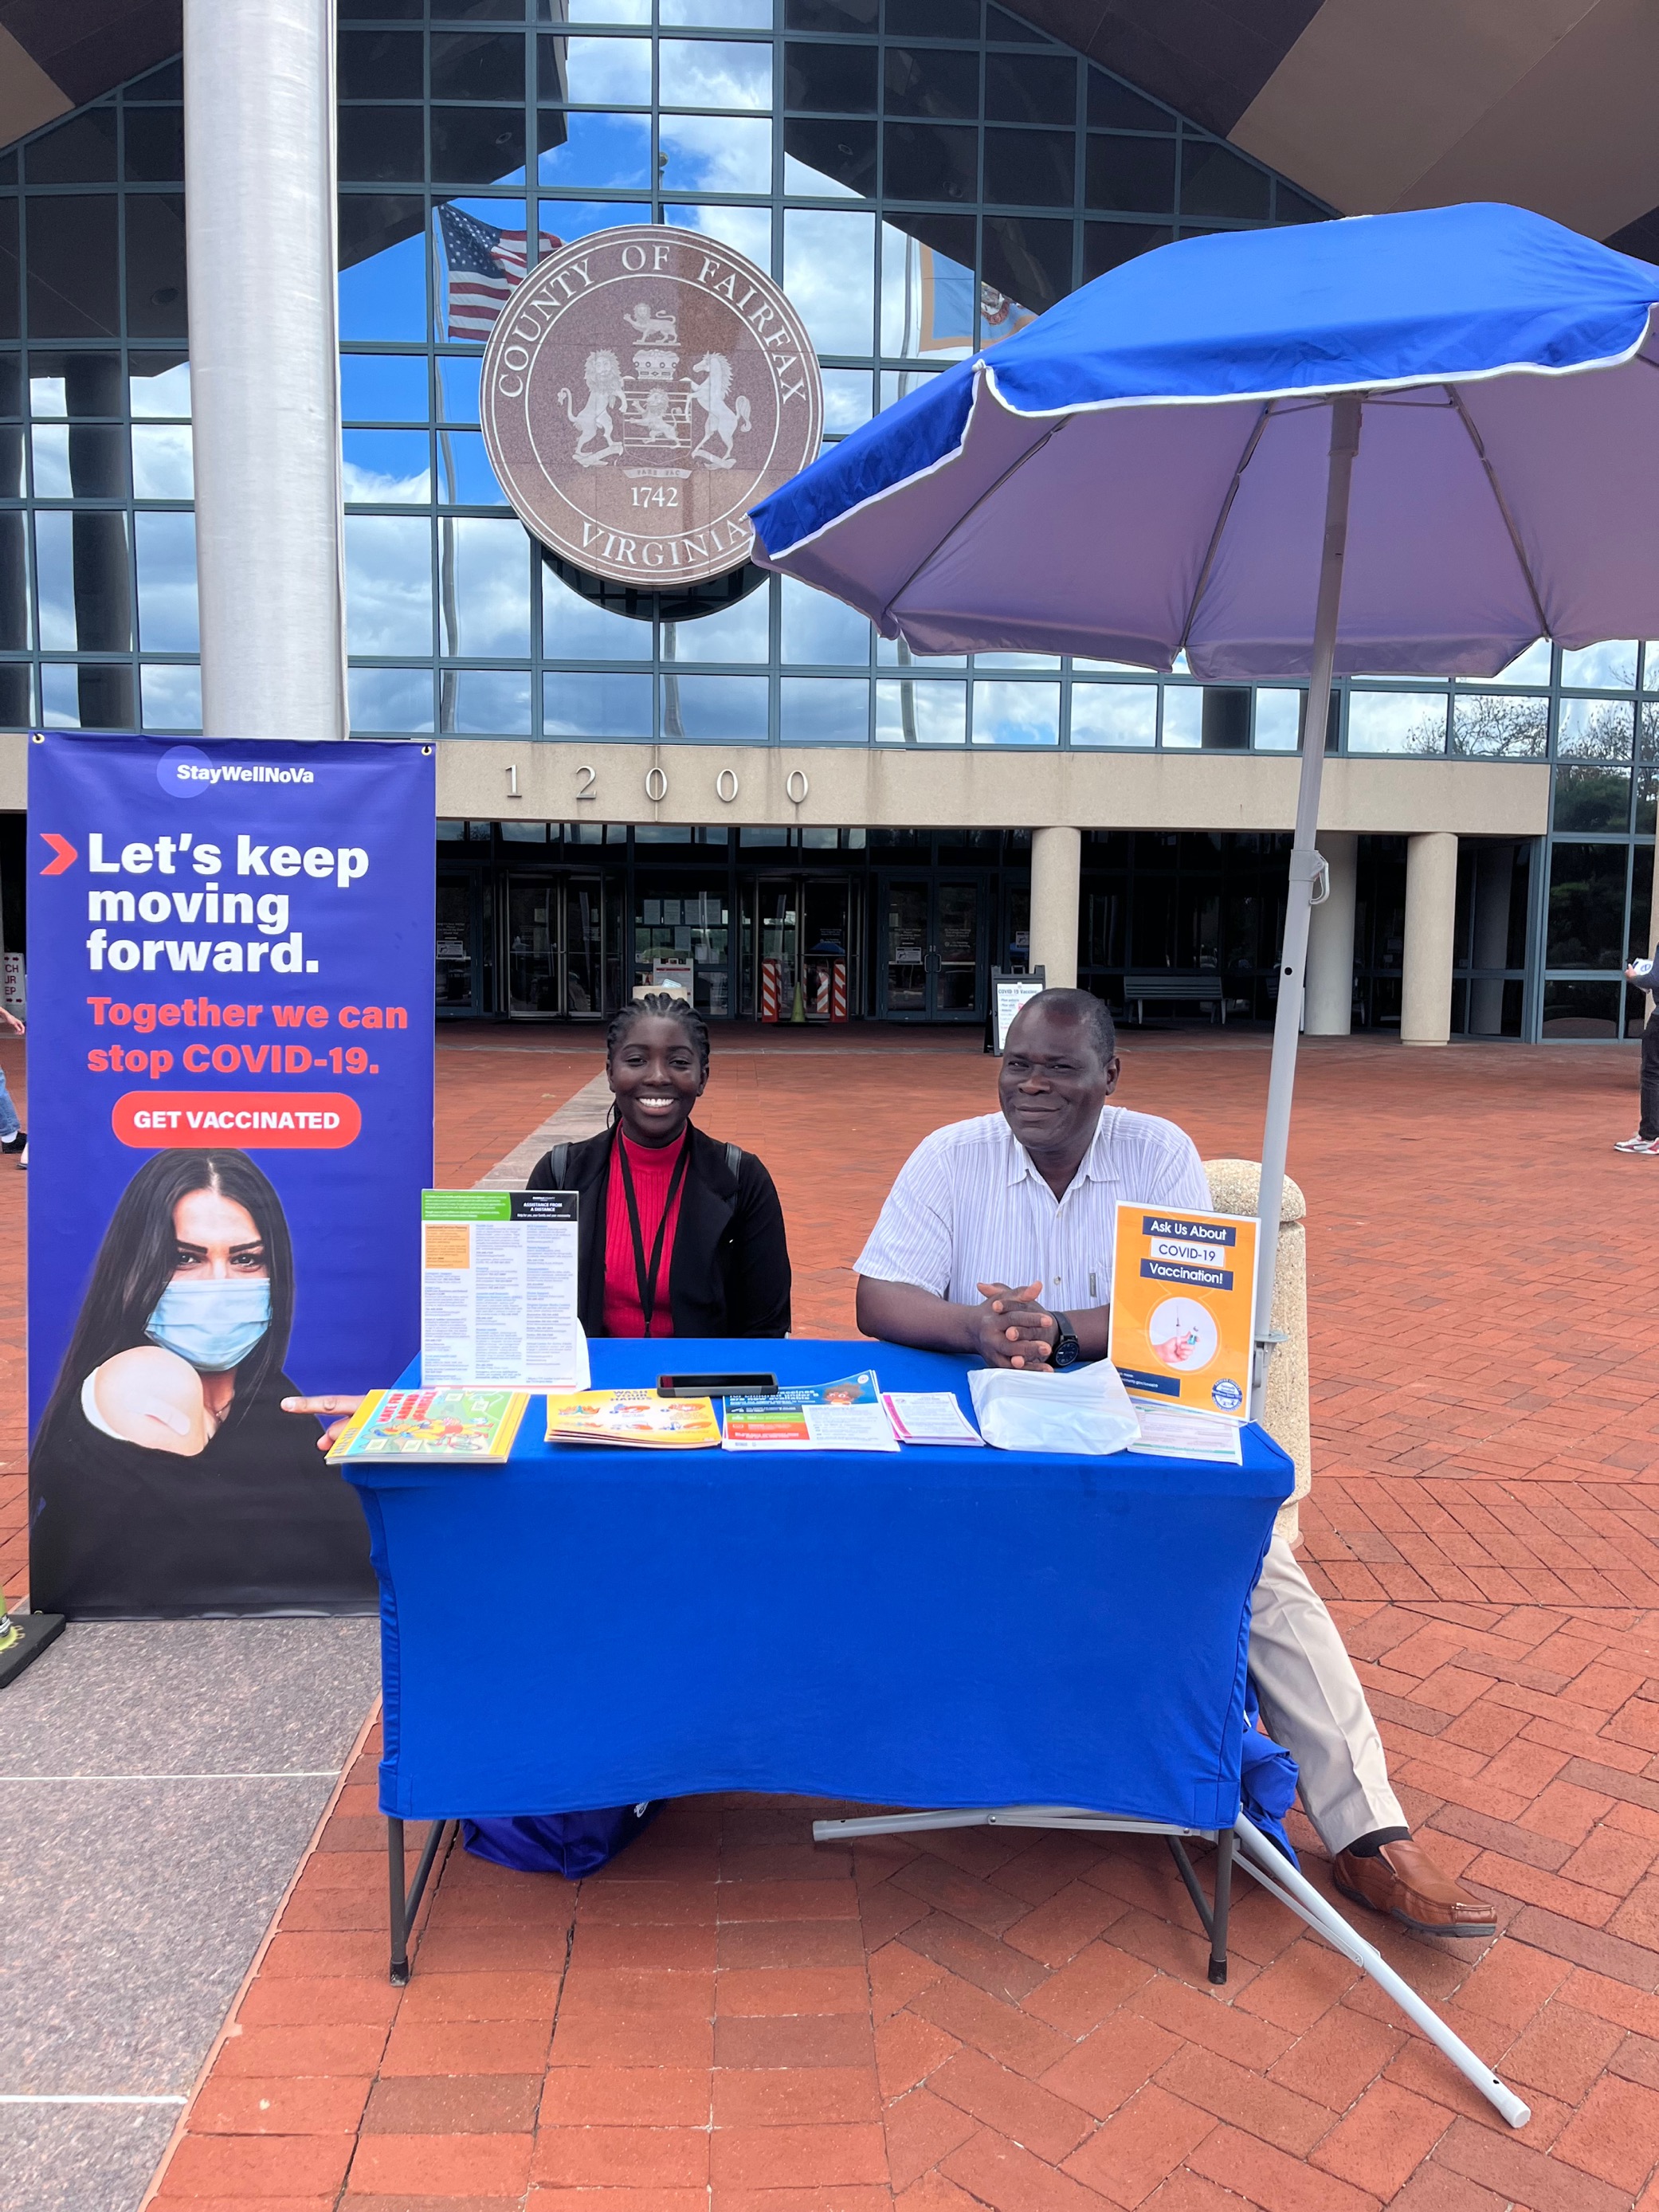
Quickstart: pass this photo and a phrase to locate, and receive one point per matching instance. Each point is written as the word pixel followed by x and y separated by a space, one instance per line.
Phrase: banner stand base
pixel 35 1632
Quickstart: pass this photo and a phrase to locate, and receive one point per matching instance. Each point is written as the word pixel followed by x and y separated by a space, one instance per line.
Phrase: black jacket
pixel 730 1273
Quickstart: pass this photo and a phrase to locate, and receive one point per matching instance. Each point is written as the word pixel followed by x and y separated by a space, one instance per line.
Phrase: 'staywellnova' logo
pixel 185 772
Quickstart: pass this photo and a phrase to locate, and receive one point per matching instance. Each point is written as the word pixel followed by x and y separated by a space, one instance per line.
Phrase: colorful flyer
pixel 1184 1306
pixel 843 1416
pixel 631 1416
pixel 498 1289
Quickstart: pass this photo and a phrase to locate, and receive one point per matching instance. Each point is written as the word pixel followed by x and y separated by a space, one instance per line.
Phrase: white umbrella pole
pixel 1306 867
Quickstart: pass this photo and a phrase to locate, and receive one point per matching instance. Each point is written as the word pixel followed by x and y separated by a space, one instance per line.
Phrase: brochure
pixel 474 1425
pixel 498 1289
pixel 844 1416
pixel 928 1416
pixel 1185 1432
pixel 631 1416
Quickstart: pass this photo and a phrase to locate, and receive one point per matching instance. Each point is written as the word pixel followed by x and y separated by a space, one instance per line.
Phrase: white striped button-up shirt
pixel 969 1207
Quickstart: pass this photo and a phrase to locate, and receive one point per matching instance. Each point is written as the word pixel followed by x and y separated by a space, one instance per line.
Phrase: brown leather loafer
pixel 1404 1882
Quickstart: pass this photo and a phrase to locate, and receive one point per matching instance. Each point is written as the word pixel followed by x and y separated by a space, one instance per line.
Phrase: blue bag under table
pixel 939 1627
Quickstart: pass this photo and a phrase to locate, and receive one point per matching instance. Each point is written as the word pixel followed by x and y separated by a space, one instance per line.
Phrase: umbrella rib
pixel 968 513
pixel 1214 546
pixel 1464 418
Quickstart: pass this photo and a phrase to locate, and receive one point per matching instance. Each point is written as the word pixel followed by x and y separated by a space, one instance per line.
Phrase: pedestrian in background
pixel 13 1137
pixel 1646 1139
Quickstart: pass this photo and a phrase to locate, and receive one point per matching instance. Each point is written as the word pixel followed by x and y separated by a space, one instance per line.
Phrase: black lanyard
pixel 646 1278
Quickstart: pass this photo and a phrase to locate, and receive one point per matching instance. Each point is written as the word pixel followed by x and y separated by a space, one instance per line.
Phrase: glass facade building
pixel 921 176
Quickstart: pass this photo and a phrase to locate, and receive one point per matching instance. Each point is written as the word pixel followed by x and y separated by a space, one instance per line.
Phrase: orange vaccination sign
pixel 1183 1302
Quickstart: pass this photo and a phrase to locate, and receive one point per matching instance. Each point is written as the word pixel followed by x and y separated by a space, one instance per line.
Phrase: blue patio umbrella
pixel 1397 445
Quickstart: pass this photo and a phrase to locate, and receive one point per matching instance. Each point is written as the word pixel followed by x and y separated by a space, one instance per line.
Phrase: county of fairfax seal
pixel 643 389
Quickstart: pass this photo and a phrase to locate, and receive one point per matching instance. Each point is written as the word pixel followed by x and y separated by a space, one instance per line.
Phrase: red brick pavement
pixel 729 2020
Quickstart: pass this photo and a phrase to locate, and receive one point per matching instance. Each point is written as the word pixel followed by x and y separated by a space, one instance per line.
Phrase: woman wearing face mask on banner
pixel 166 1476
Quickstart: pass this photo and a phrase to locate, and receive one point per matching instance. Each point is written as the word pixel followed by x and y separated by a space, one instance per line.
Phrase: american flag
pixel 482 265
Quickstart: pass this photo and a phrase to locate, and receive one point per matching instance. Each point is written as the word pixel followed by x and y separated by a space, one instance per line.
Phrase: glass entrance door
pixel 931 961
pixel 560 946
pixel 532 946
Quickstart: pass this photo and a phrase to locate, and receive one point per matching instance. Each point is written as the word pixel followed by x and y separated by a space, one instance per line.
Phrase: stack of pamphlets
pixel 929 1417
pixel 1187 1432
pixel 630 1416
pixel 844 1416
pixel 474 1425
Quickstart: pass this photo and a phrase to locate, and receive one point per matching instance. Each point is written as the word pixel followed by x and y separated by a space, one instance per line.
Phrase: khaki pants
pixel 1311 1703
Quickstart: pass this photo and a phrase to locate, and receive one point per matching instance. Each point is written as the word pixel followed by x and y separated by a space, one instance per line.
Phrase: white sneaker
pixel 1638 1144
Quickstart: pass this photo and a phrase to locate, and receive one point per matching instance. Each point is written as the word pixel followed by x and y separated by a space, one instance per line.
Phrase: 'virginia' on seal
pixel 644 387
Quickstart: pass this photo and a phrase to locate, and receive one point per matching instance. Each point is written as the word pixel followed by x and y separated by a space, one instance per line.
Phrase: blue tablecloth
pixel 940 1626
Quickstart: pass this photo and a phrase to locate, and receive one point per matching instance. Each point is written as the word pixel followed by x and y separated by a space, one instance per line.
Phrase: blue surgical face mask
pixel 214 1326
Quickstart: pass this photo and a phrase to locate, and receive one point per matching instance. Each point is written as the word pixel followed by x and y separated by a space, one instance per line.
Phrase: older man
pixel 997 1240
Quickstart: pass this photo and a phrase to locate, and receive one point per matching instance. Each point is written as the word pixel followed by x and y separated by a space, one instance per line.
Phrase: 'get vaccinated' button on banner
pixel 252 1121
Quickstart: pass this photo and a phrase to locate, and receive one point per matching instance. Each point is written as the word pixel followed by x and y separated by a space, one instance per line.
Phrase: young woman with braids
pixel 680 1236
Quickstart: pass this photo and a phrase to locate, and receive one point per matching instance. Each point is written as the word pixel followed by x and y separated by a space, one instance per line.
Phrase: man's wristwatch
pixel 1068 1352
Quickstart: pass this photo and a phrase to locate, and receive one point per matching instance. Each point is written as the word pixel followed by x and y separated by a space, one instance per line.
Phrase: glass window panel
pixel 1114 106
pixel 1109 244
pixel 845 16
pixel 578 706
pixel 476 66
pixel 1136 175
pixel 385 387
pixel 597 72
pixel 466 308
pixel 909 712
pixel 16 692
pixel 1650 665
pixel 714 709
pixel 819 629
pixel 1497 726
pixel 715 153
pixel 1397 722
pixel 491 612
pixel 11 386
pixel 49 459
pixel 747 228
pixel 54 582
pixel 1115 714
pixel 74 287
pixel 1647 790
pixel 60 696
pixel 391 699
pixel 383 261
pixel 154 148
pixel 898 383
pixel 158 385
pixel 1592 796
pixel 166 583
pixel 1183 718
pixel 1290 206
pixel 829 80
pixel 934 82
pixel 1606 668
pixel 172 696
pixel 388 584
pixel 1594 729
pixel 1031 168
pixel 568 220
pixel 928 302
pixel 1028 259
pixel 824 710
pixel 464 475
pixel 1649 728
pixel 931 160
pixel 892 652
pixel 458 388
pixel 717 15
pixel 829 274
pixel 1586 926
pixel 1279 721
pixel 485 702
pixel 1049 660
pixel 847 402
pixel 735 633
pixel 82 582
pixel 932 19
pixel 578 629
pixel 374 66
pixel 1217 182
pixel 47 397
pixel 827 158
pixel 477 145
pixel 382 145
pixel 386 467
pixel 79 152
pixel 162 465
pixel 609 11
pixel 718 73
pixel 595 153
pixel 1030 88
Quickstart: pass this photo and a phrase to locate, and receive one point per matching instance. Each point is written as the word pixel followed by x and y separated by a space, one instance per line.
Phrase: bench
pixel 1209 989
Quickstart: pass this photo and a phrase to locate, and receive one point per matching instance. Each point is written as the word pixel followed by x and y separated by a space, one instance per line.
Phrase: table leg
pixel 406 1903
pixel 1224 1893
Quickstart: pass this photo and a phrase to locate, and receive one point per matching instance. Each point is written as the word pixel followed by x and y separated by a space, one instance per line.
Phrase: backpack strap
pixel 559 1162
pixel 733 1159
